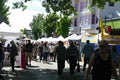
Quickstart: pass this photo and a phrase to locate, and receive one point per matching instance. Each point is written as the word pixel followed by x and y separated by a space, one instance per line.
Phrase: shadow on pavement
pixel 47 74
pixel 9 75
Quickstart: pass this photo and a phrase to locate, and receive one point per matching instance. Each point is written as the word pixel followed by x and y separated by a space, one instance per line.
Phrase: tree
pixel 4 11
pixel 24 31
pixel 19 5
pixel 58 5
pixel 37 25
pixel 63 6
pixel 50 23
pixel 62 28
pixel 65 9
pixel 101 3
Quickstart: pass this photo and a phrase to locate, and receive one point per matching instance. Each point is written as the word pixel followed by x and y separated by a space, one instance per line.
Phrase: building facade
pixel 88 17
pixel 110 11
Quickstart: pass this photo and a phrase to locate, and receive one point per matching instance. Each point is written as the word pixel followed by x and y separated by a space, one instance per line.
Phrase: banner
pixel 91 38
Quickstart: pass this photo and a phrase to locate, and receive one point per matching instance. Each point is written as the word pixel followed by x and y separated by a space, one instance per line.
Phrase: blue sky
pixel 20 19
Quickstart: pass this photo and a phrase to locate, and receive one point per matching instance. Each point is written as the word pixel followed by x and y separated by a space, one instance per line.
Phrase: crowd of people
pixel 102 60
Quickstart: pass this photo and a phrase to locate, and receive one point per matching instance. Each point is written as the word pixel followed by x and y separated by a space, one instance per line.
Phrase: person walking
pixel 77 44
pixel 46 51
pixel 13 53
pixel 1 60
pixel 40 51
pixel 61 54
pixel 1 56
pixel 35 51
pixel 29 50
pixel 73 56
pixel 52 50
pixel 8 48
pixel 115 56
pixel 87 52
pixel 101 64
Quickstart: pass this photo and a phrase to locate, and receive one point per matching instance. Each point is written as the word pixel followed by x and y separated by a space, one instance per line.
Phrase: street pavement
pixel 41 71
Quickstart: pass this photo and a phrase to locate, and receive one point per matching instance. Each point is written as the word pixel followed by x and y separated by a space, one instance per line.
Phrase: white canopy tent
pixel 8 33
pixel 60 38
pixel 51 39
pixel 74 37
pixel 5 28
pixel 42 39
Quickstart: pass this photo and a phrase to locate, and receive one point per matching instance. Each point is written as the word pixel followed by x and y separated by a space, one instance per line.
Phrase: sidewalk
pixel 9 75
pixel 40 71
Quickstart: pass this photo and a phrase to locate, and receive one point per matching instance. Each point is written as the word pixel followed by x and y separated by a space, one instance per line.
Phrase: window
pixel 93 18
pixel 75 22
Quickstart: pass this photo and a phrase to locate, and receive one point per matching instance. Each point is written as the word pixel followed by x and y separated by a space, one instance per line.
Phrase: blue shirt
pixel 87 50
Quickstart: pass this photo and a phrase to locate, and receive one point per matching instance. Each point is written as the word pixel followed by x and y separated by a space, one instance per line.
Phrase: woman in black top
pixel 101 64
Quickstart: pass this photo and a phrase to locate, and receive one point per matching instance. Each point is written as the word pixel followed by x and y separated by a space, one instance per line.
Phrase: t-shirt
pixel 29 47
pixel 87 50
pixel 61 52
pixel 51 49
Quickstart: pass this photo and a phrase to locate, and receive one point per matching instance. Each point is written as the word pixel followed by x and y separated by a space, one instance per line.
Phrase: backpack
pixel 72 51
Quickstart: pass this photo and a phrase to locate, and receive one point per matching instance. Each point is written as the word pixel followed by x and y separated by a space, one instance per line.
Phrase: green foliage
pixel 66 9
pixel 50 24
pixel 4 11
pixel 63 6
pixel 27 0
pixel 19 5
pixel 63 26
pixel 24 31
pixel 101 3
pixel 37 25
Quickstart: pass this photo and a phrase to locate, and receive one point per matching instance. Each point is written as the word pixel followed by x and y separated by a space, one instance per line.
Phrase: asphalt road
pixel 41 71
